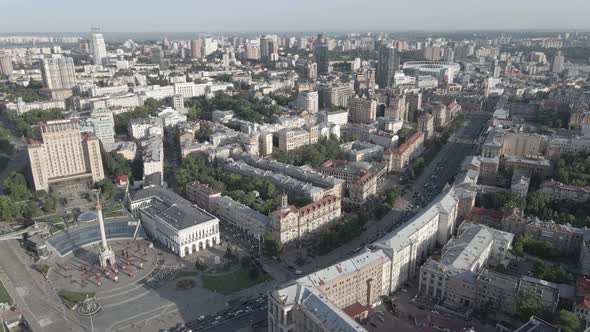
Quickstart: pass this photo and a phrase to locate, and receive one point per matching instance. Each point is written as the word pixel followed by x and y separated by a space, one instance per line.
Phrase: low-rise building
pixel 173 221
pixel 290 139
pixel 520 182
pixel 237 214
pixel 335 117
pixel 145 127
pixel 558 191
pixel 170 117
pixel 201 194
pixel 565 238
pixel 362 151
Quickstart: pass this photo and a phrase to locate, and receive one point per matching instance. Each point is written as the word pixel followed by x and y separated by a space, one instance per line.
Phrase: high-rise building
pixel 495 68
pixel 58 73
pixel 97 47
pixel 157 54
pixel 308 101
pixel 197 48
pixel 209 46
pixel 557 65
pixel 5 64
pixel 252 52
pixel 320 51
pixel 386 66
pixel 362 110
pixel 64 154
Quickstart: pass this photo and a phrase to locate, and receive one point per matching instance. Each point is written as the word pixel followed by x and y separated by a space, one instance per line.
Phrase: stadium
pixel 438 69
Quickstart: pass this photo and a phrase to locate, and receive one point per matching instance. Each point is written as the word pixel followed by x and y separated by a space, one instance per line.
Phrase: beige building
pixel 398 159
pixel 362 110
pixel 64 155
pixel 308 101
pixel 332 298
pixel 426 125
pixel 290 139
pixel 522 144
pixel 265 144
pixel 290 224
pixel 58 73
pixel 361 177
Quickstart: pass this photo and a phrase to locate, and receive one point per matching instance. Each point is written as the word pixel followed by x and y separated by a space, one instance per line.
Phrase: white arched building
pixel 179 225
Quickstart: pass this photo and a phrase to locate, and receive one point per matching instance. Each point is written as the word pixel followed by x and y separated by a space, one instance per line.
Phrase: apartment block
pixel 397 159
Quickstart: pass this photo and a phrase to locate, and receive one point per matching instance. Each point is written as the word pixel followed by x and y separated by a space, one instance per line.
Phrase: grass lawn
pixel 182 274
pixel 73 298
pixel 232 282
pixel 4 296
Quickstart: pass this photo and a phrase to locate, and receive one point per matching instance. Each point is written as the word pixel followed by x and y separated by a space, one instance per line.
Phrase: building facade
pixel 64 154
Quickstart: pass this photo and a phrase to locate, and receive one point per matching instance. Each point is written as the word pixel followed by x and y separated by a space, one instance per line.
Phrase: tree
pixel 115 164
pixel 16 186
pixel 527 305
pixel 7 209
pixel 568 321
pixel 107 189
pixel 392 196
pixel 50 203
pixel 272 247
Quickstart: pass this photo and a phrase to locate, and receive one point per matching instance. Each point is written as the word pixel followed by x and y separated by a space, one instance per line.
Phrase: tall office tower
pixel 64 155
pixel 386 66
pixel 266 46
pixel 97 47
pixel 362 110
pixel 58 73
pixel 320 51
pixel 157 54
pixel 495 68
pixel 197 48
pixel 5 64
pixel 557 66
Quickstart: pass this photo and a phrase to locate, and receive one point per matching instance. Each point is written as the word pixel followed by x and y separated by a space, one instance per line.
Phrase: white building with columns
pixel 179 225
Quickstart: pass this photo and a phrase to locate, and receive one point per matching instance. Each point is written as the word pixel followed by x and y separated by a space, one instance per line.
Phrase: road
pixel 439 173
pixel 32 294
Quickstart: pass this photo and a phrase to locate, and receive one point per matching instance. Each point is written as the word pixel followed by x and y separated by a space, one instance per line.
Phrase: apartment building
pixel 152 154
pixel 201 194
pixel 102 124
pixel 242 217
pixel 336 117
pixel 559 191
pixel 308 101
pixel 291 139
pixel 397 159
pixel 362 110
pixel 426 125
pixel 452 278
pixel 323 300
pixel 335 95
pixel 64 155
pixel 58 73
pixel 145 127
pixel 290 225
pixel 361 178
pixel 565 238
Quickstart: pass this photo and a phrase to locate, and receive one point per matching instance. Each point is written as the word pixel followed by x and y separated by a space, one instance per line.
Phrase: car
pixel 201 317
pixel 404 290
pixel 373 324
pixel 218 318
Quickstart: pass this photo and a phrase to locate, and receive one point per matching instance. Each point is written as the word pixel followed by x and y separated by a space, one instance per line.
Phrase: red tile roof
pixel 356 309
pixel 405 145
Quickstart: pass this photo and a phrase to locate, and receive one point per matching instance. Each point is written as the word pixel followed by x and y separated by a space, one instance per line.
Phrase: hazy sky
pixel 290 15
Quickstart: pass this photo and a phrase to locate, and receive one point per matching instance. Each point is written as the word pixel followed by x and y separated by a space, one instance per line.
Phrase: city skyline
pixel 331 15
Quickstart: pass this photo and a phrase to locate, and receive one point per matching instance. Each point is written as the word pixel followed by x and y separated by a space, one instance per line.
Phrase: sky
pixel 291 15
